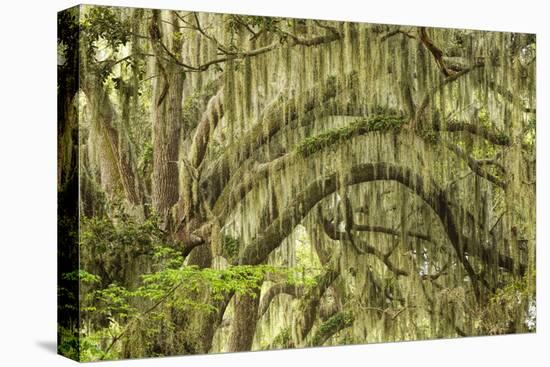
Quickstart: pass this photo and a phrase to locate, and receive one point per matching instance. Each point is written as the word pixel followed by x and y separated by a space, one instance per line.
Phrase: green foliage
pixel 107 247
pixel 241 279
pixel 308 267
pixel 283 339
pixel 171 285
pixel 87 346
pixel 115 300
pixel 328 138
pixel 92 343
pixel 101 235
pixel 230 247
pixel 82 276
pixel 68 342
pixel 167 258
pixel 302 275
pixel 107 24
pixel 104 28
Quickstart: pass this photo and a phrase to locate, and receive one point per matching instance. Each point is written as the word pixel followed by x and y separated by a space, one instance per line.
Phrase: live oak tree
pixel 253 183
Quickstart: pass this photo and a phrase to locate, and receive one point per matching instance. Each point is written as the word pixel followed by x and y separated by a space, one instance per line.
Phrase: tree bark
pixel 166 118
pixel 243 326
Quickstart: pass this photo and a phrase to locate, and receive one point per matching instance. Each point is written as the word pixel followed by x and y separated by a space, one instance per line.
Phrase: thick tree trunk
pixel 244 322
pixel 166 119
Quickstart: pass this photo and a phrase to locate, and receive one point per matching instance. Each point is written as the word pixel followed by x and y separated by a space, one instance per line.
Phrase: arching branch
pixel 395 32
pixel 509 96
pixel 257 251
pixel 277 115
pixel 390 231
pixel 250 175
pixel 250 172
pixel 267 241
pixel 275 290
pixel 209 120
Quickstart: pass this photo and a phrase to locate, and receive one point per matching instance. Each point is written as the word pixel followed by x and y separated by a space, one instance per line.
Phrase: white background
pixel 28 188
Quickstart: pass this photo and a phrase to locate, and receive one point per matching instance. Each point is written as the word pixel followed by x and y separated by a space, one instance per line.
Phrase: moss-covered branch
pixel 247 177
pixel 332 326
pixel 385 123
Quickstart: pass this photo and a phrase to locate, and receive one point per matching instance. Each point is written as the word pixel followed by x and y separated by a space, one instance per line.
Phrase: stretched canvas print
pixel 235 183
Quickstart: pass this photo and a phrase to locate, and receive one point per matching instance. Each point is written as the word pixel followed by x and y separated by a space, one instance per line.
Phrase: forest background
pixel 34 287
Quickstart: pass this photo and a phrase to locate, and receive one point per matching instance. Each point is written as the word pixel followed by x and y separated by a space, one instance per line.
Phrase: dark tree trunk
pixel 243 326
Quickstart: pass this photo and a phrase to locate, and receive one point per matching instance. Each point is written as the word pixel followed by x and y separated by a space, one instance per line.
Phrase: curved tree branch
pixel 277 115
pixel 209 120
pixel 396 32
pixel 476 167
pixel 509 96
pixel 266 241
pixel 247 176
pixel 275 290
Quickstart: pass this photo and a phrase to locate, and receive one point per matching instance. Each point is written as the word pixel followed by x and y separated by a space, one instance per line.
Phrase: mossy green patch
pixel 230 247
pixel 282 340
pixel 390 123
pixel 332 325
